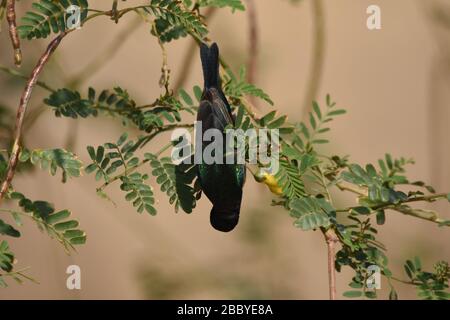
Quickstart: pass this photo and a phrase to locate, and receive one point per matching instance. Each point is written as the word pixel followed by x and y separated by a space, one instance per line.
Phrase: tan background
pixel 393 82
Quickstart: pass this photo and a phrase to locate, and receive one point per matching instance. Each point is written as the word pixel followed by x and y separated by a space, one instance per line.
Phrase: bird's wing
pixel 213 111
pixel 220 110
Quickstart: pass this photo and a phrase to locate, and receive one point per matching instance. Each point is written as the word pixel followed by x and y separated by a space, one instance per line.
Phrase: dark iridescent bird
pixel 222 183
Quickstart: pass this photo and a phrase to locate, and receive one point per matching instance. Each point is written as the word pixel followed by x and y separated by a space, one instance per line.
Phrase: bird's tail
pixel 224 218
pixel 210 64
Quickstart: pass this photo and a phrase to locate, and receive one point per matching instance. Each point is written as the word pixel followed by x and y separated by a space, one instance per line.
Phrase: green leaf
pixel 277 123
pixel 48 17
pixel 337 112
pixel 316 109
pixel 317 119
pixel 352 294
pixel 312 121
pixel 138 192
pixel 24 155
pixel 289 179
pixel 78 240
pixel 8 230
pixel 90 168
pixel 52 159
pixel 320 141
pixel 57 217
pixel 55 224
pixel 310 213
pixel 417 263
pixel 122 139
pixel 198 93
pixel 91 152
pixel 389 161
pixel 238 88
pixel 393 294
pixel 355 285
pixel 267 118
pixel 69 103
pixel 100 154
pixel 42 209
pixel 362 210
pixel 175 181
pixel 233 4
pixel 381 217
pixel 6 257
pixel 173 21
pixel 73 233
pixel 66 225
pixel 17 218
pixel 186 98
pixel 328 100
pixel 370 294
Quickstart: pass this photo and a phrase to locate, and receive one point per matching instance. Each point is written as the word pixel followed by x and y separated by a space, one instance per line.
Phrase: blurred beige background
pixel 393 82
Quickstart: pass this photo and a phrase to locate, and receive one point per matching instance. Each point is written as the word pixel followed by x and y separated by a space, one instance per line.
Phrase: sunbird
pixel 221 183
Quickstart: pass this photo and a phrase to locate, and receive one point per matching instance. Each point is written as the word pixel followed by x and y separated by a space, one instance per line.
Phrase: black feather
pixel 210 65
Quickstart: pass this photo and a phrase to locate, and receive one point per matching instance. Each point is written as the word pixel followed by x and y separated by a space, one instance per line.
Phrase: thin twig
pixel 318 55
pixel 347 188
pixel 166 128
pixel 331 239
pixel 19 272
pixel 16 73
pixel 404 281
pixel 11 18
pixel 165 71
pixel 21 112
pixel 421 214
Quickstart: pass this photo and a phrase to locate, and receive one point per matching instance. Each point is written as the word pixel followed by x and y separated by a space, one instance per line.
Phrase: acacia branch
pixel 421 214
pixel 11 18
pixel 25 98
pixel 14 274
pixel 146 139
